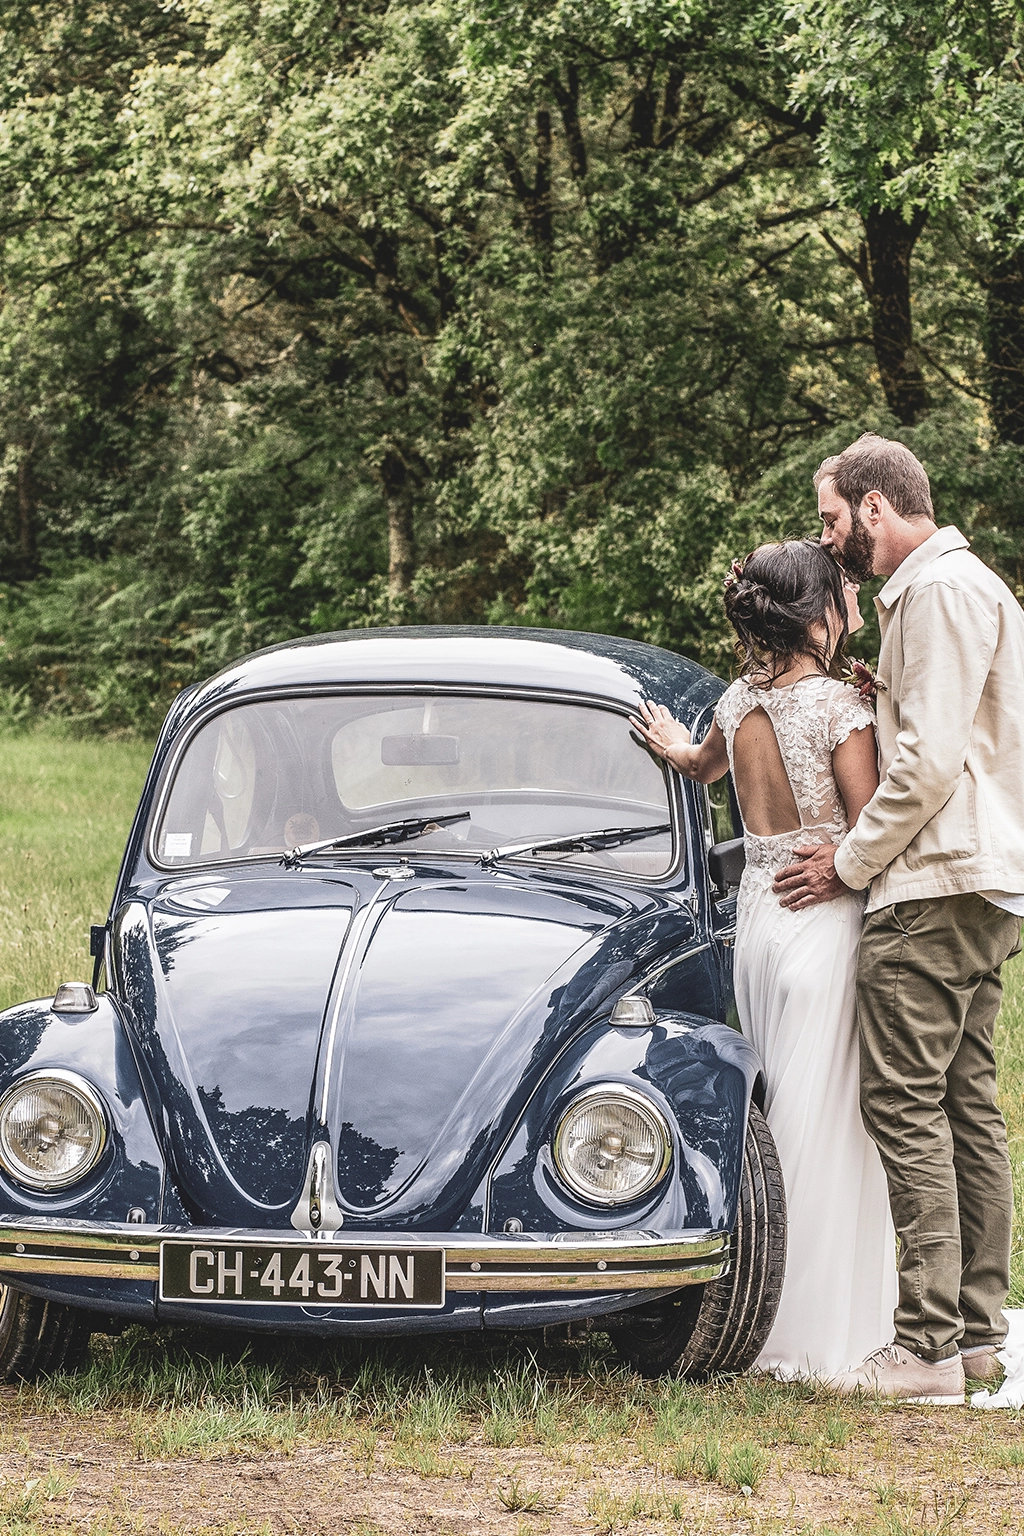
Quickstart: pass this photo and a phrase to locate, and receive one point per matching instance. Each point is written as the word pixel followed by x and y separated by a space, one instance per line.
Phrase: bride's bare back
pixel 762 784
pixel 802 756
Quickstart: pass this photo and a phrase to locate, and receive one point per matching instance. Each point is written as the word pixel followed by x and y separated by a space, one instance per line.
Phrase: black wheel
pixel 38 1338
pixel 721 1327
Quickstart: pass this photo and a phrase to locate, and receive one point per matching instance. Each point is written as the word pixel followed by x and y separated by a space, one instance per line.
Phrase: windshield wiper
pixel 374 837
pixel 582 842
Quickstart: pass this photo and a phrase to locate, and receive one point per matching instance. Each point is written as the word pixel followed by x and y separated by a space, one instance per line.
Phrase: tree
pixel 523 313
pixel 893 93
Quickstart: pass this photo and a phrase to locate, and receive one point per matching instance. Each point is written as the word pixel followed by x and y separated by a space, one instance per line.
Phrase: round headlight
pixel 612 1145
pixel 53 1128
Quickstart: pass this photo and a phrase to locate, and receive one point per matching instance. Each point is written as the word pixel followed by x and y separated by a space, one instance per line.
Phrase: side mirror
pixel 726 863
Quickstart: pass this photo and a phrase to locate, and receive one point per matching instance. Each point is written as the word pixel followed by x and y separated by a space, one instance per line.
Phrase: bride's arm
pixel 855 765
pixel 670 740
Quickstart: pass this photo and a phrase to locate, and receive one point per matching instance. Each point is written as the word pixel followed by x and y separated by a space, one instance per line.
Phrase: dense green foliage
pixel 326 315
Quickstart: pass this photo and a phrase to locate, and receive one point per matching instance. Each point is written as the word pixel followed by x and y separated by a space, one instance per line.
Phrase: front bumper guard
pixel 561 1261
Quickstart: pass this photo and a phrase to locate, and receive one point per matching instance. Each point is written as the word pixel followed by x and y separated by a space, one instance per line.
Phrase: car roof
pixel 563 661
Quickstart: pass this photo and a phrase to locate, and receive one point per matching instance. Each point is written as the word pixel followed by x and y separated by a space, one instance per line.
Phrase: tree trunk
pixel 568 99
pixel 1004 344
pixel 401 543
pixel 536 199
pixel 890 243
pixel 543 231
pixel 670 108
pixel 645 111
pixel 26 518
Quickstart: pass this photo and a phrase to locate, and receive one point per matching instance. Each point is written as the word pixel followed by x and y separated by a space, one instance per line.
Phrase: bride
pixel 801 747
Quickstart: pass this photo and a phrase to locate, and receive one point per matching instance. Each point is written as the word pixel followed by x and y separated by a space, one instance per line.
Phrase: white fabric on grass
pixel 1011 1357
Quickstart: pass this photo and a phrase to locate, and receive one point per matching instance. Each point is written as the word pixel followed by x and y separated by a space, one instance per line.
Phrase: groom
pixel 941 848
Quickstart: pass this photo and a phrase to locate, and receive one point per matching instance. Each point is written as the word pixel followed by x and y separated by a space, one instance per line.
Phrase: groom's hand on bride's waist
pixel 811 881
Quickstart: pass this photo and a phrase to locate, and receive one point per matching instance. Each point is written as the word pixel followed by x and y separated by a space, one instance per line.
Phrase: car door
pixel 725 825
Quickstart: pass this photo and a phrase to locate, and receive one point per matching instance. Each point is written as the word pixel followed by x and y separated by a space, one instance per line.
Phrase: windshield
pixel 263 778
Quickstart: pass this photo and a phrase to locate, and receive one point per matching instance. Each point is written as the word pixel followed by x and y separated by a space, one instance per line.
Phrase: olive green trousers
pixel 928 992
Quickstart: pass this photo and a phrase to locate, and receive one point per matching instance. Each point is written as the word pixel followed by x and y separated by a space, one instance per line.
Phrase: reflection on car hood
pixel 411 1018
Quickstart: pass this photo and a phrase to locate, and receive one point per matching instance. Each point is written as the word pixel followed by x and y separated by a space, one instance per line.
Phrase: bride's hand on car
pixel 662 732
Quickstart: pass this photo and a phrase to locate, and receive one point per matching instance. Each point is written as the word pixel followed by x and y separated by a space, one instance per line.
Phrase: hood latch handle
pixel 318 1210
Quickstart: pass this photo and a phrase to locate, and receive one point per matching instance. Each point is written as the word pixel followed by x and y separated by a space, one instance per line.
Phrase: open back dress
pixel 794 974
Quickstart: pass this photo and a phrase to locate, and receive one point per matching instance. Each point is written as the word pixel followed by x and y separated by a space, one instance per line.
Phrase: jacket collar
pixel 940 543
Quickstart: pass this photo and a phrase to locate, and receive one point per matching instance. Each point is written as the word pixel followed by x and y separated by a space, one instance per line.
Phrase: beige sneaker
pixel 893 1371
pixel 982 1365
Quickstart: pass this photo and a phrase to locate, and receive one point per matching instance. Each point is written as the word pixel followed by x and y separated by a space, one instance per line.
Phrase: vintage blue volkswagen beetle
pixel 413 1017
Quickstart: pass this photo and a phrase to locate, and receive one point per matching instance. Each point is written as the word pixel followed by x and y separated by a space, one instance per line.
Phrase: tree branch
pixel 730 178
pixel 859 266
pixel 769 261
pixel 812 125
pixel 772 221
pixel 933 363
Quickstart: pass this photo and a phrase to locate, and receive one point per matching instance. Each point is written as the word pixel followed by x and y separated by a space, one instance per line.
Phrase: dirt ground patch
pixel 901 1470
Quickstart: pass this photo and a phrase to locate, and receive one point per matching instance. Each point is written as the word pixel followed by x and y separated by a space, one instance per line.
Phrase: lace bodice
pixel 811 718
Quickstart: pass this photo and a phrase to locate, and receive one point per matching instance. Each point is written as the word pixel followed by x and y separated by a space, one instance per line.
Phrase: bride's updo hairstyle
pixel 773 600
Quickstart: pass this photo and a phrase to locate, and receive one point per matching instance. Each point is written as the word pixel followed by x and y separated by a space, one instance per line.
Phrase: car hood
pixel 402 1020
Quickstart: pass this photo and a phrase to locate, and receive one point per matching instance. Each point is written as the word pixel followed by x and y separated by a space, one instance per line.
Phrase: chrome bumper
pixel 563 1261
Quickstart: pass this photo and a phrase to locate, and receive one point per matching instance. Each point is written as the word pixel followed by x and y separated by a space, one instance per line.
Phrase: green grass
pixel 622 1450
pixel 1010 1061
pixel 65 809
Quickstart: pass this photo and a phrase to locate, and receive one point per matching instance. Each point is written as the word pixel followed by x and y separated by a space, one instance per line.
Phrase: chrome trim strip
pixel 353 942
pixel 579 1280
pixel 473 1262
pixel 45 1265
pixel 651 976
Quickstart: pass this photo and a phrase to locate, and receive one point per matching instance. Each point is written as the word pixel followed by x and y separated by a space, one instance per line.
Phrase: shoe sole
pixel 872 1395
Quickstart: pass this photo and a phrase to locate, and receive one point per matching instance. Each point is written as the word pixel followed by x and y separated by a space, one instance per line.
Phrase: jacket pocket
pixel 952 832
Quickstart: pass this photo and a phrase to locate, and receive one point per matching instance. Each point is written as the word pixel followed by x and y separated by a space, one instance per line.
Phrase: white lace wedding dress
pixel 794 974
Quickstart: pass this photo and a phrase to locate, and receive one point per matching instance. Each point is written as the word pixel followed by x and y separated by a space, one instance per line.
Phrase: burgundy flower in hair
pixel 735 573
pixel 862 677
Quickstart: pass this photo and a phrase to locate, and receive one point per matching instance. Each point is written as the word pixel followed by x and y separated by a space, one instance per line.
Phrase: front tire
pixel 38 1338
pixel 721 1327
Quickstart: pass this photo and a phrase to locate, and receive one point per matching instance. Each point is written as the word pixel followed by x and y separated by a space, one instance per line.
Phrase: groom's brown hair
pixel 875 463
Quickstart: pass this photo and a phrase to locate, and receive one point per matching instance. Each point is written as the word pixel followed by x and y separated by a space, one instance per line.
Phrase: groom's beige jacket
pixel 948 815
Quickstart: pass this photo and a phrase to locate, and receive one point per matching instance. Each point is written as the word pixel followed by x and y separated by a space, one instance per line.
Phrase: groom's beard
pixel 857 556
